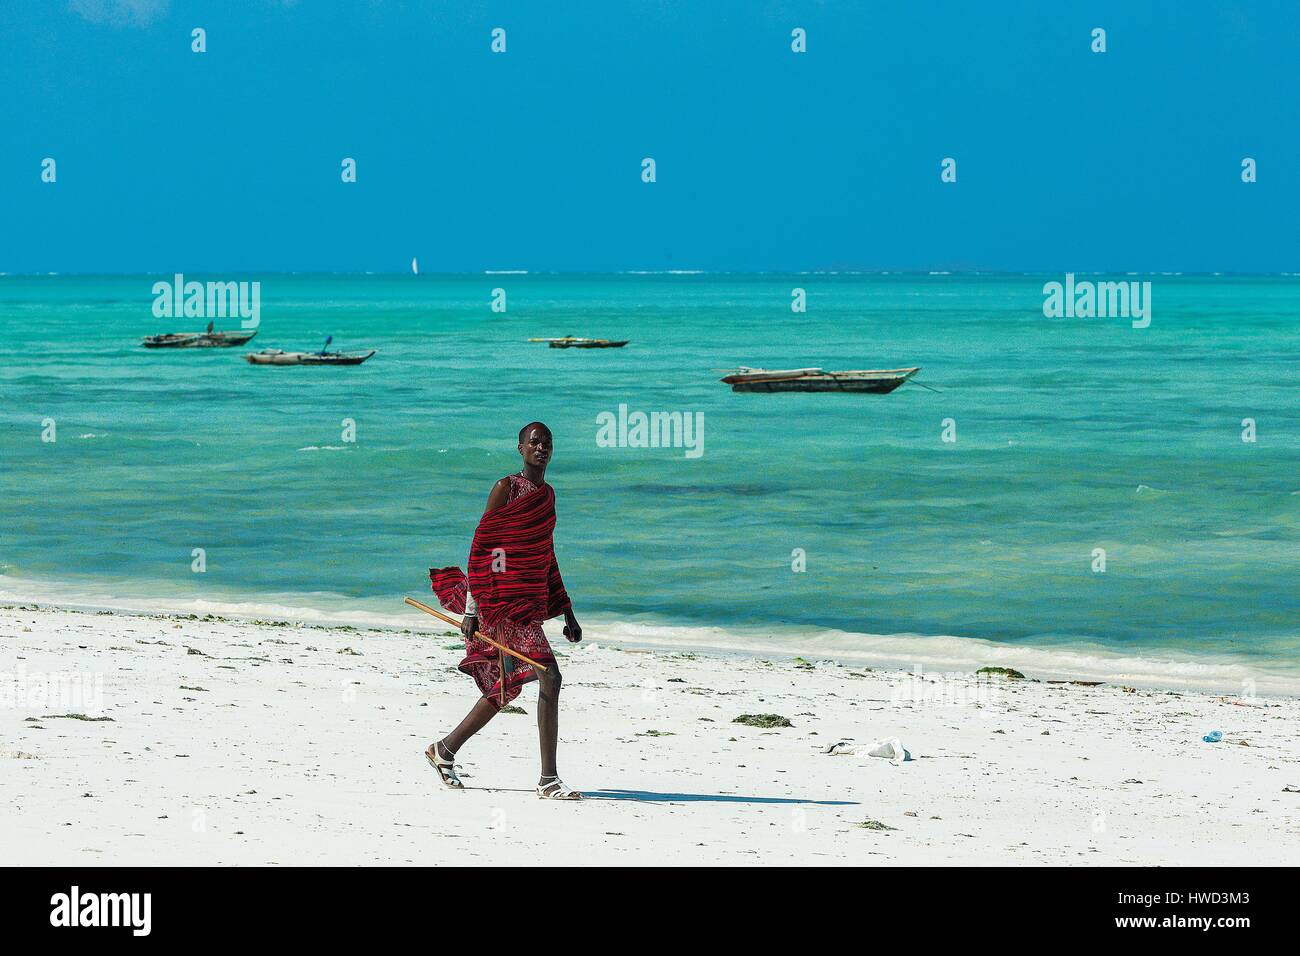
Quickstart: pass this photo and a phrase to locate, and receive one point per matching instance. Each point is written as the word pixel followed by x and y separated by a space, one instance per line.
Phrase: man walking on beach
pixel 513 585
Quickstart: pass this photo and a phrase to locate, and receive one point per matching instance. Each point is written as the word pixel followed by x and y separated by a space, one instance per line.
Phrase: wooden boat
pixel 571 342
pixel 876 381
pixel 766 375
pixel 279 357
pixel 197 340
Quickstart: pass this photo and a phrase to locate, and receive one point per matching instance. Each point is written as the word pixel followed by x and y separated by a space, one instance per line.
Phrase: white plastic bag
pixel 891 748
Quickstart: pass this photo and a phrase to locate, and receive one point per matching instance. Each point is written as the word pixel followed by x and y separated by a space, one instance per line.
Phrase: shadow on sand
pixel 649 796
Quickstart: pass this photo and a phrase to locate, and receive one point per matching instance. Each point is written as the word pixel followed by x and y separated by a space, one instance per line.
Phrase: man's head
pixel 535 444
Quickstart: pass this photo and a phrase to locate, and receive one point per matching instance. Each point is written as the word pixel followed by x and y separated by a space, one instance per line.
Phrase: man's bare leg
pixel 477 718
pixel 548 719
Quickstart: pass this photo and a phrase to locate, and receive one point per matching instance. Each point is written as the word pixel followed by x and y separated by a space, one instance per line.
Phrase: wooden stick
pixel 479 634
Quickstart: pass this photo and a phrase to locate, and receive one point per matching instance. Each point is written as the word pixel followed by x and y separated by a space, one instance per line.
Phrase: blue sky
pixel 767 160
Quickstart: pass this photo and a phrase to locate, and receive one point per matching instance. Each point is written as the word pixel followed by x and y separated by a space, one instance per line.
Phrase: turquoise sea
pixel 1071 435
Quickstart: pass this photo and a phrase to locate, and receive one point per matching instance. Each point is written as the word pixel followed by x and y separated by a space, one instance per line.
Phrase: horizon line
pixel 927 273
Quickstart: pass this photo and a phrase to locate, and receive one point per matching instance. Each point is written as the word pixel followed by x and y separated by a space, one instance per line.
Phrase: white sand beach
pixel 237 742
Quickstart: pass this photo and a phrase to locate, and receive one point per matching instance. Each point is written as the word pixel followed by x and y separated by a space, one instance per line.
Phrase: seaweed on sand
pixel 766 721
pixel 1004 671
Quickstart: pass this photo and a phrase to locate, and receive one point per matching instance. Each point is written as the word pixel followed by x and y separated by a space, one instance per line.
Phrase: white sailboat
pixel 415 267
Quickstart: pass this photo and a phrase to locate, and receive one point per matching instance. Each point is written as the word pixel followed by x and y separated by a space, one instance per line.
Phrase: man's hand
pixel 572 629
pixel 468 625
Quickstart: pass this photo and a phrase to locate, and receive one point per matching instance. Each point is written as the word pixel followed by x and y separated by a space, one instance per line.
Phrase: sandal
pixel 556 790
pixel 445 766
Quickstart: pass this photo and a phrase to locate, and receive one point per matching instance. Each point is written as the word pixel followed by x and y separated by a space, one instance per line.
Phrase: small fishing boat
pixel 323 357
pixel 279 357
pixel 197 340
pixel 875 381
pixel 572 342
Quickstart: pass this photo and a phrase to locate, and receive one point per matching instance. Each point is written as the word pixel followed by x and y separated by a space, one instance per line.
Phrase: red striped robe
pixel 525 589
